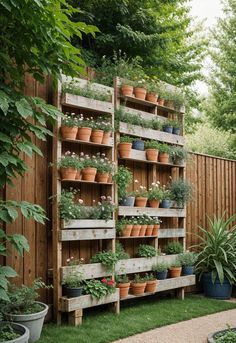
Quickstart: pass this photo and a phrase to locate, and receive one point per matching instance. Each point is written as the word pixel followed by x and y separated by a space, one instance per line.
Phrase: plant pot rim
pixel 151 149
pixel 211 336
pixel 126 143
pixel 80 287
pixel 123 284
pixel 29 316
pixel 138 283
pixel 23 336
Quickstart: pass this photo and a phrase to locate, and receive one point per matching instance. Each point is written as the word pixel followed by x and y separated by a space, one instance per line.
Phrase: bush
pixel 173 248
pixel 145 250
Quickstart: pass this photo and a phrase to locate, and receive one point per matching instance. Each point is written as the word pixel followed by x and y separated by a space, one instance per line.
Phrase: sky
pixel 209 11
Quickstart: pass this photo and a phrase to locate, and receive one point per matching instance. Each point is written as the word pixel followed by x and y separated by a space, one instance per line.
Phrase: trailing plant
pixel 145 250
pixel 87 91
pixel 99 289
pixel 160 267
pixel 120 252
pixel 152 145
pixel 107 258
pixel 181 191
pixel 188 258
pixel 155 192
pixel 173 248
pixel 218 249
pixel 123 177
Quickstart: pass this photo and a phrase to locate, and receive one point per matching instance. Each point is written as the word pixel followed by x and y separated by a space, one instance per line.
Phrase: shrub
pixel 173 248
pixel 181 191
pixel 145 250
pixel 188 259
pixel 160 267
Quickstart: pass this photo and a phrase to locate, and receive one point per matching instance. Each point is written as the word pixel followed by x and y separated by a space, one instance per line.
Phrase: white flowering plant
pixel 155 192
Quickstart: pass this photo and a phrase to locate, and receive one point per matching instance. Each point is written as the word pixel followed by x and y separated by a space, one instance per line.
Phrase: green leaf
pixel 5 138
pixel 4 102
pixel 19 242
pixel 8 271
pixel 3 295
pixel 24 108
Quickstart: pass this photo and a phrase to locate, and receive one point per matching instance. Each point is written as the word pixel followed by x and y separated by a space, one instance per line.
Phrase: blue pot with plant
pixel 165 203
pixel 127 201
pixel 187 270
pixel 168 128
pixel 216 289
pixel 176 131
pixel 138 144
pixel 161 270
pixel 188 260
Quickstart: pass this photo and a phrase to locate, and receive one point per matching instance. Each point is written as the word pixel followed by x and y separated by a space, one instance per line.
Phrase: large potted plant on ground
pixel 13 333
pixel 217 257
pixel 24 309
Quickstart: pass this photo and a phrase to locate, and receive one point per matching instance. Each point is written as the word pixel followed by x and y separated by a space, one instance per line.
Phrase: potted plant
pixel 104 168
pixel 124 227
pixel 123 178
pixel 178 155
pixel 138 144
pixel 25 310
pixel 175 269
pixel 99 289
pixel 120 252
pixel 107 258
pixel 127 87
pixel 140 89
pixel 176 127
pixel 107 128
pixel 150 225
pixel 164 152
pixel 168 126
pixel 125 146
pixel 138 285
pixel 161 270
pixel 142 222
pixel 181 192
pixel 155 194
pixel 216 259
pixel 166 198
pixel 123 283
pixel 84 126
pixel 223 336
pixel 136 226
pixel 152 149
pixel 73 281
pixel 69 126
pixel 188 260
pixel 173 248
pixel 162 95
pixel 13 333
pixel 152 91
pixel 156 226
pixel 141 196
pixel 89 170
pixel 97 132
pixel 145 250
pixel 155 124
pixel 68 166
pixel 151 285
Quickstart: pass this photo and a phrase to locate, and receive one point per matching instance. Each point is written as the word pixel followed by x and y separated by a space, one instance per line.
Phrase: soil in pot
pixel 69 132
pixel 151 286
pixel 84 134
pixel 126 232
pixel 154 203
pixel 142 230
pixel 152 97
pixel 127 90
pixel 140 93
pixel 135 230
pixel 140 202
pixel 22 332
pixel 161 275
pixel 187 270
pixel 127 201
pixel 106 137
pixel 125 149
pixel 138 145
pixel 149 230
pixel 138 288
pixel 68 173
pixel 102 177
pixel 163 157
pixel 89 174
pixel 175 272
pixel 97 136
pixel 216 290
pixel 151 155
pixel 124 289
pixel 73 292
pixel 34 321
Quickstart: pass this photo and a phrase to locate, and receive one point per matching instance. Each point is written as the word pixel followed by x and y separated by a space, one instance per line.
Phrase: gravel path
pixel 190 331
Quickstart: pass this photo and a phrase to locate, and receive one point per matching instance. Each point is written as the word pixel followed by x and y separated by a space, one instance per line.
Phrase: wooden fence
pixel 213 180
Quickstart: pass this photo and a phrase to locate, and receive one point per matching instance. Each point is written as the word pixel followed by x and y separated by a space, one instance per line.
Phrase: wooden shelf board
pixel 136 237
pixel 157 212
pixel 77 141
pixel 88 224
pixel 86 234
pixel 171 233
pixel 89 182
pixel 150 162
pixel 143 114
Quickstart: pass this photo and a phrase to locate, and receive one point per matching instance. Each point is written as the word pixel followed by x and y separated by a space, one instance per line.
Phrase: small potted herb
pixel 173 248
pixel 123 283
pixel 104 168
pixel 151 285
pixel 13 333
pixel 84 128
pixel 152 91
pixel 125 146
pixel 89 170
pixel 127 87
pixel 156 124
pixel 141 197
pixel 138 285
pixel 68 166
pixel 152 149
pixel 145 250
pixel 175 269
pixel 178 155
pixel 164 153
pixel 188 260
pixel 161 270
pixel 155 194
pixel 97 132
pixel 73 281
pixel 138 144
pixel 181 192
pixel 69 126
pixel 166 198
pixel 168 126
pixel 123 178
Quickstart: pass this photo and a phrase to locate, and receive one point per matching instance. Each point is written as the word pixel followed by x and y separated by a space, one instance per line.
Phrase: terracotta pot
pixel 124 289
pixel 89 174
pixel 154 203
pixel 151 155
pixel 125 149
pixel 149 230
pixel 106 137
pixel 140 202
pixel 97 136
pixel 135 230
pixel 126 232
pixel 163 157
pixel 140 93
pixel 69 132
pixel 127 90
pixel 161 102
pixel 169 103
pixel 151 286
pixel 68 173
pixel 84 133
pixel 138 288
pixel 78 175
pixel 102 177
pixel 175 271
pixel 152 97
pixel 155 229
pixel 142 230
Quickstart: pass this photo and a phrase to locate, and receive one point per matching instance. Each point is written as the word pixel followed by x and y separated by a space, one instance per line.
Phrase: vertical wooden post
pixel 76 317
pixel 180 293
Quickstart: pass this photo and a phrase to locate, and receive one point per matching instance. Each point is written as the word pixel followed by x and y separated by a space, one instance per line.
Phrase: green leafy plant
pixel 176 264
pixel 141 191
pixel 173 248
pixel 120 252
pixel 218 249
pixel 188 258
pixel 155 192
pixel 69 160
pixel 152 145
pixel 121 278
pixel 138 279
pixel 103 164
pixel 75 277
pixel 126 139
pixel 149 277
pixel 107 258
pixel 177 151
pixel 7 333
pixel 155 124
pixel 226 337
pixel 122 177
pixel 181 191
pixel 160 267
pixel 164 148
pixel 69 120
pixel 87 91
pixel 145 250
pixel 99 289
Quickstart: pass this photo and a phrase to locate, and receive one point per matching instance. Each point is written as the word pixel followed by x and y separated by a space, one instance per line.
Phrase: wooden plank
pixel 143 114
pixel 138 131
pixel 88 182
pixel 86 301
pixel 171 233
pixel 84 234
pixel 88 223
pixel 77 141
pixel 159 212
pixel 78 101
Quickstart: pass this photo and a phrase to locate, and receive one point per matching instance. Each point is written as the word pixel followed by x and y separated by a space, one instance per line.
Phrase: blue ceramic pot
pixel 165 204
pixel 187 270
pixel 216 290
pixel 138 145
pixel 168 129
pixel 127 201
pixel 176 131
pixel 161 275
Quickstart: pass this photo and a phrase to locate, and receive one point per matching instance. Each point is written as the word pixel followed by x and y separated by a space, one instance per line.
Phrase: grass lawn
pixel 100 326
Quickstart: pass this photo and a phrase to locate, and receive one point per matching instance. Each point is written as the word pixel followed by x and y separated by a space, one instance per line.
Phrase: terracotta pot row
pixel 142 202
pixel 137 288
pixel 151 154
pixel 85 134
pixel 140 230
pixel 86 174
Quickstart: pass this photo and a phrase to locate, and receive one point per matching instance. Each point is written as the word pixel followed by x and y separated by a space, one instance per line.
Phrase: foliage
pixel 7 333
pixel 160 267
pixel 155 192
pixel 152 145
pixel 69 120
pixel 178 152
pixel 107 258
pixel 218 249
pixel 175 264
pixel 181 191
pixel 188 258
pixel 126 139
pixel 164 148
pixel 145 250
pixel 149 277
pixel 122 177
pixel 74 278
pixel 121 278
pixel 141 191
pixel 87 91
pixel 99 289
pixel 103 164
pixel 173 248
pixel 226 337
pixel 120 252
pixel 69 160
